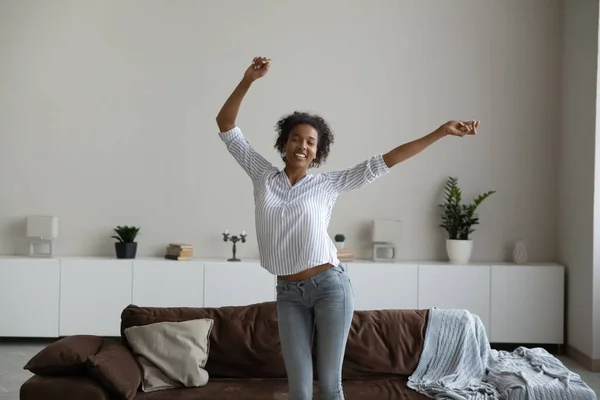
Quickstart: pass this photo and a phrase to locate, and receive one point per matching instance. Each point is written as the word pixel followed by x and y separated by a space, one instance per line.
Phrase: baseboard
pixel 588 362
pixel 556 349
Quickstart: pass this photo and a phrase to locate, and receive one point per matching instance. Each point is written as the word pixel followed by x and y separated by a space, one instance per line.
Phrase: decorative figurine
pixel 234 239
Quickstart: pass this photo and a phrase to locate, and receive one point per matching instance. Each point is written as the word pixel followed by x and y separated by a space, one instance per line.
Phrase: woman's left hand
pixel 459 128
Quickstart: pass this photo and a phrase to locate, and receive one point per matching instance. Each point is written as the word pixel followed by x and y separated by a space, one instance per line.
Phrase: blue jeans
pixel 325 303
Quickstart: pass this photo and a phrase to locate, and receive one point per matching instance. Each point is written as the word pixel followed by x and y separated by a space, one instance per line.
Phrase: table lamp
pixel 41 230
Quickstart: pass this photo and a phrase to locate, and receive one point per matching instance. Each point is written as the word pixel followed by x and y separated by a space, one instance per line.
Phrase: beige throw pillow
pixel 172 354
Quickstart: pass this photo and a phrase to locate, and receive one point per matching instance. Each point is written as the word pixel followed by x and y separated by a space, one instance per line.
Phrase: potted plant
pixel 339 241
pixel 458 220
pixel 126 246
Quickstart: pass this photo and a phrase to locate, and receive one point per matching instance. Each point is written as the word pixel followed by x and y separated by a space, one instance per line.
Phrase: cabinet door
pixel 380 286
pixel 29 297
pixel 527 304
pixel 93 293
pixel 458 287
pixel 165 283
pixel 237 284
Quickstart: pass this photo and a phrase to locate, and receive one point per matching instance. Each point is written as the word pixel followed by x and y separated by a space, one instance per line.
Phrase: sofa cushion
pixel 244 341
pixel 116 369
pixel 172 354
pixel 66 356
pixel 384 343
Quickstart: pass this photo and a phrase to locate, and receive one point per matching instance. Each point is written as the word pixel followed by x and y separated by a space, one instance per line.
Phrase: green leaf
pixel 126 234
pixel 459 219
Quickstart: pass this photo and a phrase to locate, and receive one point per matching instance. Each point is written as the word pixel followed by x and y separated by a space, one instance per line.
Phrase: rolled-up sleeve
pixel 359 175
pixel 242 151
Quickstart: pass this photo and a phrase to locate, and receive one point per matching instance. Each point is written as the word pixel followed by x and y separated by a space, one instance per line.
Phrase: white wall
pixel 577 160
pixel 107 115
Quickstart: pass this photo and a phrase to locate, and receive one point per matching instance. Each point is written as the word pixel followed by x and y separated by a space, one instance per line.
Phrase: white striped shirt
pixel 292 221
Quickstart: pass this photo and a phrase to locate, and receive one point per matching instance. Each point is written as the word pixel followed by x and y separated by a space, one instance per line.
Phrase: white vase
pixel 520 252
pixel 339 245
pixel 459 251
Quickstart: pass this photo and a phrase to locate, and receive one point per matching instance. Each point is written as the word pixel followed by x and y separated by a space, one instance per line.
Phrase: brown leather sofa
pixel 244 362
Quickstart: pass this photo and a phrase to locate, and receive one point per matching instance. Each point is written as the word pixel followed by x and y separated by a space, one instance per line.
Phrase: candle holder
pixel 234 239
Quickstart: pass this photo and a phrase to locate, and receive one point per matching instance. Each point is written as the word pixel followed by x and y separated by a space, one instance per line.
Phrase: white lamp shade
pixel 386 230
pixel 42 226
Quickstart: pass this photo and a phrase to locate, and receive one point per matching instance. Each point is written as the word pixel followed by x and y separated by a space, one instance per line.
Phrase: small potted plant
pixel 458 220
pixel 340 241
pixel 126 246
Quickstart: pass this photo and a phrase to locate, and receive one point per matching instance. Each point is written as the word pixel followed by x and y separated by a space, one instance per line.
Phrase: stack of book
pixel 345 255
pixel 179 252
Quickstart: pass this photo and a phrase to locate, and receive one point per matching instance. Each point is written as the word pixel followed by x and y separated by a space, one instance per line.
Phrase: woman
pixel 292 212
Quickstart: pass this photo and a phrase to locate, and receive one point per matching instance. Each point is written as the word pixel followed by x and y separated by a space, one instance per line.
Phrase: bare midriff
pixel 308 273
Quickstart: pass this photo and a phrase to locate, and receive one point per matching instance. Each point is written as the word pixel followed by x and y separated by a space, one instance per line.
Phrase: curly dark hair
pixel 324 139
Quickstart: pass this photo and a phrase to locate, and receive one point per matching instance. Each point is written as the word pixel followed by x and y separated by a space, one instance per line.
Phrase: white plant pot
pixel 339 245
pixel 459 251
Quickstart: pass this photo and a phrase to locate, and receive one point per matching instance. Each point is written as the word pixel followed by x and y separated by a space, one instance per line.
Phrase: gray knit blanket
pixel 457 363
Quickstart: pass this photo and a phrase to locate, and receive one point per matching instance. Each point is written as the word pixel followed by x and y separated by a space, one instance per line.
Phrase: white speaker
pixel 386 234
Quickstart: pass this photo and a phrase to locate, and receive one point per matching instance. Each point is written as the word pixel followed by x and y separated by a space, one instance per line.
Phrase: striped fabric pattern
pixel 454 358
pixel 292 221
pixel 457 362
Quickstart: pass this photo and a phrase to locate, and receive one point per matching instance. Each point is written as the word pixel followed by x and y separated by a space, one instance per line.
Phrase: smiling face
pixel 301 146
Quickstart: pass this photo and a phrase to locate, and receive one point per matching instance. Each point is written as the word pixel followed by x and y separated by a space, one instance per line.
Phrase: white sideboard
pixel 66 296
pixel 460 286
pixel 29 297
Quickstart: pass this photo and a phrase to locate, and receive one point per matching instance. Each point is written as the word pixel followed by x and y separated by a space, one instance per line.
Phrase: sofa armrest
pixel 62 388
pixel 116 369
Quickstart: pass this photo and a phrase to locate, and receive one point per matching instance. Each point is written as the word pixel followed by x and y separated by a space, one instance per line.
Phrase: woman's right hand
pixel 258 68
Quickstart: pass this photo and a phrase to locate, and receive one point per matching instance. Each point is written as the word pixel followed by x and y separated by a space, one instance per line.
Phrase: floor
pixel 14 355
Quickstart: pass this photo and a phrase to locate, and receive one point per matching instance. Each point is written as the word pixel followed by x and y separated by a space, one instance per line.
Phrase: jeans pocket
pixel 281 289
pixel 332 282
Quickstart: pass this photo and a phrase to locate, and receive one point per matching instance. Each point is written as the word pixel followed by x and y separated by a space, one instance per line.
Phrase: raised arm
pixel 237 144
pixel 229 112
pixel 410 149
pixel 357 176
pixel 376 166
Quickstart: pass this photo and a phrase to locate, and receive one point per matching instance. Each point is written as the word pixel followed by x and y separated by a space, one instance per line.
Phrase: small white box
pixel 386 231
pixel 41 231
pixel 42 226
